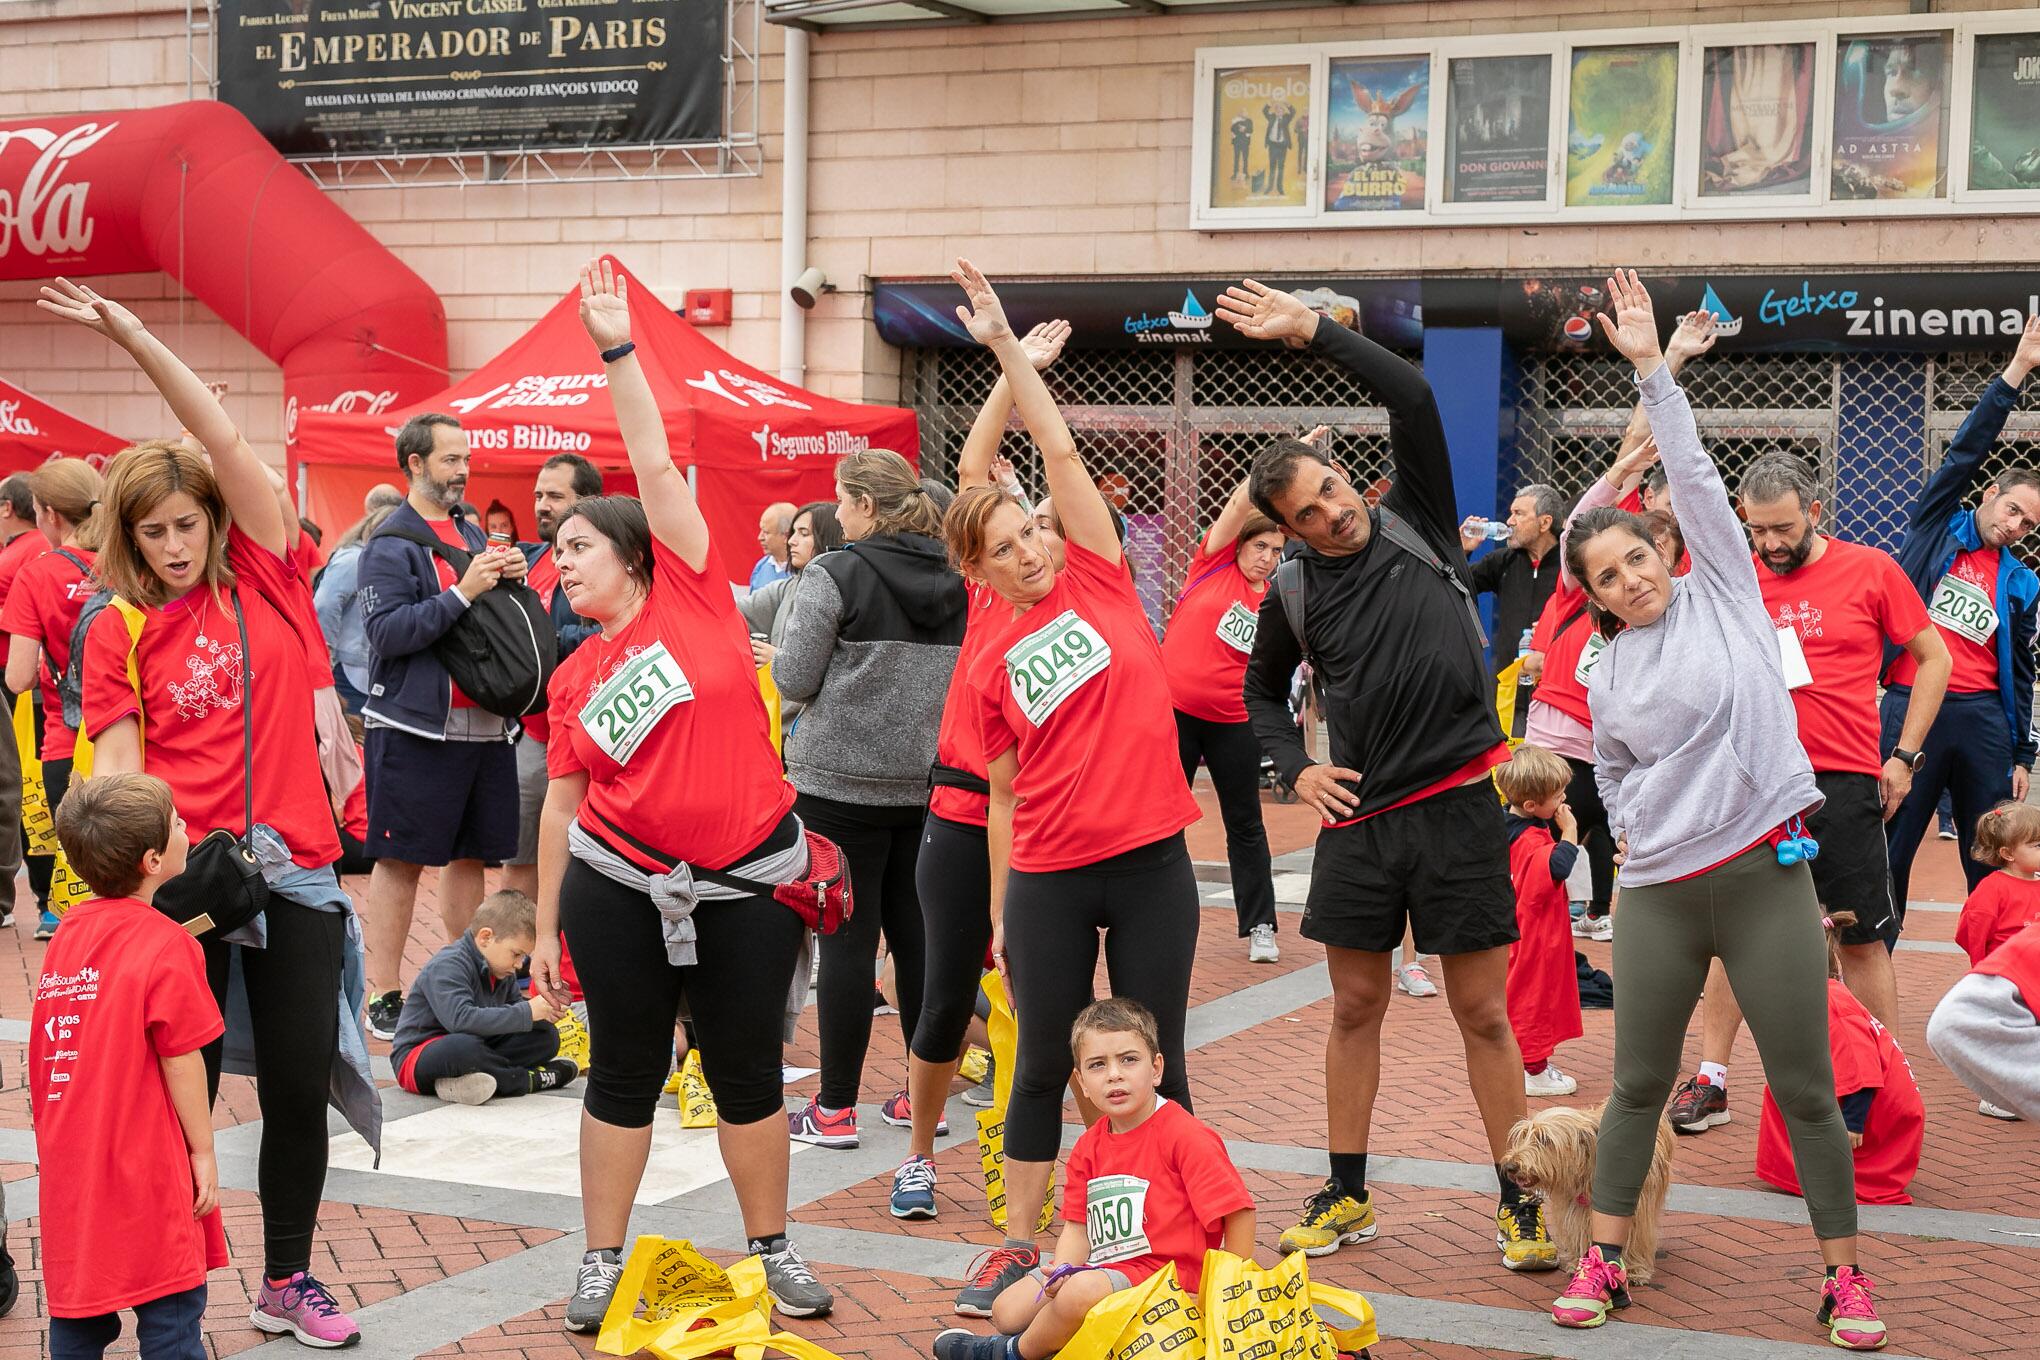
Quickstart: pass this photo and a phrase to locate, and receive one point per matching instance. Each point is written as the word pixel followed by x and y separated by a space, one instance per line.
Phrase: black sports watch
pixel 1912 759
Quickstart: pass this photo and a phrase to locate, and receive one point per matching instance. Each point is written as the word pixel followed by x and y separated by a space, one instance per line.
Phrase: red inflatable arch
pixel 193 190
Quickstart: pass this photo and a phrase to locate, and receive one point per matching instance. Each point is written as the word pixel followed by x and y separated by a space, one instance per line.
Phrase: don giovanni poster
pixel 384 77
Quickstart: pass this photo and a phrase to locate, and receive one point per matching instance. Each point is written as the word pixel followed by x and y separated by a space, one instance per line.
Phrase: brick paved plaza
pixel 465 1241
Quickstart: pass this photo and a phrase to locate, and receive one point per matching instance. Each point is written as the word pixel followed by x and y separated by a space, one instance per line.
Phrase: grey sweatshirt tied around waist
pixel 1696 744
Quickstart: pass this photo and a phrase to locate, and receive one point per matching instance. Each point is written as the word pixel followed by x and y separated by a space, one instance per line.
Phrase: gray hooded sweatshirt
pixel 1696 745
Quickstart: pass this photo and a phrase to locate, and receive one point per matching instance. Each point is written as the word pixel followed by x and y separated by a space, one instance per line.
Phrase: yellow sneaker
pixel 1331 1219
pixel 1520 1233
pixel 976 1062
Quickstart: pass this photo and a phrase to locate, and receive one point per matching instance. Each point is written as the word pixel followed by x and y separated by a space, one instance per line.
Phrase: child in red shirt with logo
pixel 117 1086
pixel 1147 1186
pixel 1874 1084
pixel 2008 840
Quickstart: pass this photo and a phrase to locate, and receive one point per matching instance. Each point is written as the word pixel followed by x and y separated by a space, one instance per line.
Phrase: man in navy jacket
pixel 564 480
pixel 442 778
pixel 1981 597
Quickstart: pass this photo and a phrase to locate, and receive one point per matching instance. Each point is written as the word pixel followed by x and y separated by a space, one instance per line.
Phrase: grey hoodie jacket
pixel 1696 745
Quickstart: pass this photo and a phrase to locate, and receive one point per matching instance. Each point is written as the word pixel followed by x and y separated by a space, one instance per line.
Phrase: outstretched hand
pixel 1694 337
pixel 1631 326
pixel 2025 358
pixel 605 304
pixel 1632 464
pixel 984 316
pixel 1044 344
pixel 1262 313
pixel 76 302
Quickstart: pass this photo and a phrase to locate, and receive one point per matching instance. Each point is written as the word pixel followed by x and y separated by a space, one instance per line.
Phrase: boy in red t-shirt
pixel 1543 988
pixel 1874 1085
pixel 117 1086
pixel 1147 1186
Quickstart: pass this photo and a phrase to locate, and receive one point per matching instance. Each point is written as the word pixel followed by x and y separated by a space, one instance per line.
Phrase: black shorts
pixel 1852 872
pixel 433 802
pixel 1441 864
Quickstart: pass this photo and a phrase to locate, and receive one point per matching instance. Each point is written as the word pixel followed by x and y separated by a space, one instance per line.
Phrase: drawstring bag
pixel 692 1307
pixel 991 1123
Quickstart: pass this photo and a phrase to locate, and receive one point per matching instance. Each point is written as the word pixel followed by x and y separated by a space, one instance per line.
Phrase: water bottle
pixel 1493 530
pixel 1523 647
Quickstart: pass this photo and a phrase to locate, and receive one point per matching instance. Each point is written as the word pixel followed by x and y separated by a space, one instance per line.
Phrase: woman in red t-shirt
pixel 199 552
pixel 661 766
pixel 1205 650
pixel 41 614
pixel 1088 805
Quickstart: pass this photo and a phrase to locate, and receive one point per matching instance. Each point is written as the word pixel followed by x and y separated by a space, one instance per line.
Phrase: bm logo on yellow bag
pixel 692 1307
pixel 1242 1312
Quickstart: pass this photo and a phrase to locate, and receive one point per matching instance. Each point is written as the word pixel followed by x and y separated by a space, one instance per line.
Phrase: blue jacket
pixel 573 629
pixel 339 620
pixel 1942 526
pixel 404 610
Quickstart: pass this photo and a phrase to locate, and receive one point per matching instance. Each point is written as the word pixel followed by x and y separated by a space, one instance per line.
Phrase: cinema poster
pixel 1756 120
pixel 1891 116
pixel 2004 113
pixel 1622 116
pixel 1498 129
pixel 1260 137
pixel 397 77
pixel 1377 137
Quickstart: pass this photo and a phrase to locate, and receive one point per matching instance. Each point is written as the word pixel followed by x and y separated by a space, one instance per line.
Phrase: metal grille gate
pixel 1181 427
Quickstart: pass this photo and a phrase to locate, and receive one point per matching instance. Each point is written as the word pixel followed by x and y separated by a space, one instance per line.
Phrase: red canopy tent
pixel 32 432
pixel 748 439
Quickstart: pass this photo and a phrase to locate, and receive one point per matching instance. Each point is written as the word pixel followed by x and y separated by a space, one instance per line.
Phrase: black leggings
pixel 735 995
pixel 881 844
pixel 508 1058
pixel 1583 796
pixel 1145 900
pixel 954 873
pixel 56 777
pixel 294 1019
pixel 1233 755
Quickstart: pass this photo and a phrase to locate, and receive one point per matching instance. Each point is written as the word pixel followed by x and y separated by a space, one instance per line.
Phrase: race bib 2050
pixel 1115 1218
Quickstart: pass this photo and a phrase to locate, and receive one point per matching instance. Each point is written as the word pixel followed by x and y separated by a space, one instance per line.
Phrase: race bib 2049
pixel 1115 1218
pixel 1050 664
pixel 1236 627
pixel 628 705
pixel 1963 608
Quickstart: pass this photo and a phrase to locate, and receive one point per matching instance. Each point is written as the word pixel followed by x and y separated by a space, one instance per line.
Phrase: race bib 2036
pixel 1963 608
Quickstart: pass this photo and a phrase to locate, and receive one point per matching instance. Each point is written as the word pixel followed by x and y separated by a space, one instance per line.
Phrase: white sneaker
pixel 1994 1111
pixel 1600 928
pixel 476 1088
pixel 1261 947
pixel 1414 981
pixel 1582 928
pixel 1549 1082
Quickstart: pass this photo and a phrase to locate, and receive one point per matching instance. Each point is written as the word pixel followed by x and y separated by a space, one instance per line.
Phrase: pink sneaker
pixel 899 1112
pixel 303 1308
pixel 1598 1288
pixel 1848 1314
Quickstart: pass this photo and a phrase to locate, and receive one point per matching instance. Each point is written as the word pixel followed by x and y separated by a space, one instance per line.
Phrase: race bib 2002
pixel 1236 627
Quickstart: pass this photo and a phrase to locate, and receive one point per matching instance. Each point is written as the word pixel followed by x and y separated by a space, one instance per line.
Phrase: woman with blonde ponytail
pixel 41 610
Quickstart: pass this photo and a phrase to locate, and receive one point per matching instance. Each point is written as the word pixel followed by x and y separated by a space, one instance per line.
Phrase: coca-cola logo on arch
pixel 353 400
pixel 45 206
pixel 13 422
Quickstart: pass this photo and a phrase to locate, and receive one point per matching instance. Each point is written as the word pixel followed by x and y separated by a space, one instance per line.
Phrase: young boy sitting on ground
pixel 465 1034
pixel 1543 988
pixel 117 1086
pixel 1147 1185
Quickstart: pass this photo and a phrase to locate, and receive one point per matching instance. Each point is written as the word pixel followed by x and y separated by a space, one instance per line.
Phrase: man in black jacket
pixel 1413 830
pixel 1520 573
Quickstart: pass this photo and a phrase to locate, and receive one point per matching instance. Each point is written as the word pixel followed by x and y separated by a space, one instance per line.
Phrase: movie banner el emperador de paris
pixel 393 77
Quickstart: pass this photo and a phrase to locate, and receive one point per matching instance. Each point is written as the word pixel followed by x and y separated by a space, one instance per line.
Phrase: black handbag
pixel 222 888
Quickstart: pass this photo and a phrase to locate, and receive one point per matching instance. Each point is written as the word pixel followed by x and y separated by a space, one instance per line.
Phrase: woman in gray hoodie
pixel 1698 762
pixel 869 650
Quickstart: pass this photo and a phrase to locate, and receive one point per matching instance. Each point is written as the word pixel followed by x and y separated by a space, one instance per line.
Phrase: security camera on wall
pixel 811 284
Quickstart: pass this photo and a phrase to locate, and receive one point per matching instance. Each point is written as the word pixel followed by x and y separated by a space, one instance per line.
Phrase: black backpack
pixel 503 648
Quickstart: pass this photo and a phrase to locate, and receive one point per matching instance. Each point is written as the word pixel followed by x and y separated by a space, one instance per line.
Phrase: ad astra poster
pixel 1891 127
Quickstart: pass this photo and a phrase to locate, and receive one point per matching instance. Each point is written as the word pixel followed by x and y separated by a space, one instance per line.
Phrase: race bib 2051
pixel 629 704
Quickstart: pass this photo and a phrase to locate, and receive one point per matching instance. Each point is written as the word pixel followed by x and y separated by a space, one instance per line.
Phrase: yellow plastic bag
pixel 1508 687
pixel 38 819
pixel 991 1123
pixel 573 1039
pixel 1155 1318
pixel 693 1307
pixel 1251 1313
pixel 769 692
pixel 697 1102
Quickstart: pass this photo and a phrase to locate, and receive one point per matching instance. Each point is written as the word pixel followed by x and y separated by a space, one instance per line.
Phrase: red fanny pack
pixel 820 897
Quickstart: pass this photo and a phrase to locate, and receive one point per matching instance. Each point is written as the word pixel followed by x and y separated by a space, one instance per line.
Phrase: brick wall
pixel 1053 148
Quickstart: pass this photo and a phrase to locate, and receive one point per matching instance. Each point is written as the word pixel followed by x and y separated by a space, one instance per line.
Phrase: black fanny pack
pixel 942 776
